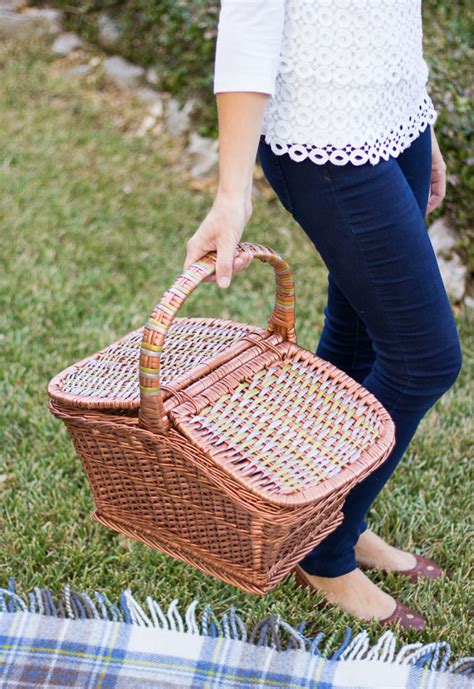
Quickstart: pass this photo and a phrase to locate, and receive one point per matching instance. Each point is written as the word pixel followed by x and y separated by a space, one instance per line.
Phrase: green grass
pixel 82 263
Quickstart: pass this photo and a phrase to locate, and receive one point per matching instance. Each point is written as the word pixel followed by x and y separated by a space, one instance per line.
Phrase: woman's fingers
pixel 224 263
pixel 221 231
pixel 438 176
pixel 438 188
pixel 194 251
pixel 242 262
pixel 436 196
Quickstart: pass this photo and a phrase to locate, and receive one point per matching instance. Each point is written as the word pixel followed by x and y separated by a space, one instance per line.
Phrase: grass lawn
pixel 94 221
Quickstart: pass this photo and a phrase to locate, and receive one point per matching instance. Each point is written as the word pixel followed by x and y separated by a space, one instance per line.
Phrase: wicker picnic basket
pixel 225 445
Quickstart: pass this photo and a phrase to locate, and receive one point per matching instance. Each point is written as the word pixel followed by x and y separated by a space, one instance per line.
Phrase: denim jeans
pixel 388 322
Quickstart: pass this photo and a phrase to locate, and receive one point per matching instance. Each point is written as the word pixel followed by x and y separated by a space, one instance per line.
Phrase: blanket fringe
pixel 271 631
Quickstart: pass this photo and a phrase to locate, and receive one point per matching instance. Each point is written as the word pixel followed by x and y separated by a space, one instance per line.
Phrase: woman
pixel 332 96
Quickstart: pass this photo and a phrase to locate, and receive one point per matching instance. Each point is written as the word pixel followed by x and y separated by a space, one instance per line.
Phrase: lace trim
pixel 390 146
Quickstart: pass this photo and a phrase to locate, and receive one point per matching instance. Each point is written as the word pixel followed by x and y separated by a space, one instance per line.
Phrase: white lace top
pixel 346 78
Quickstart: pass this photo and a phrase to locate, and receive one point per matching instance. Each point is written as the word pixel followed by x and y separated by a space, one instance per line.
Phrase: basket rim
pixel 301 499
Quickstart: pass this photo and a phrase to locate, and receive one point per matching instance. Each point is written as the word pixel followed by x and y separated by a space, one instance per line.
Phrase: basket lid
pixel 289 425
pixel 109 378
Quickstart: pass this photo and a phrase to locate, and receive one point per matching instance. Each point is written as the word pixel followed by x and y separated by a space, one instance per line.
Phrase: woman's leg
pixel 344 342
pixel 366 223
pixel 415 163
pixel 344 339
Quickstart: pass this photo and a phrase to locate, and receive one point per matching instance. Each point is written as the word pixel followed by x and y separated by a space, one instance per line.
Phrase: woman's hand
pixel 438 175
pixel 221 231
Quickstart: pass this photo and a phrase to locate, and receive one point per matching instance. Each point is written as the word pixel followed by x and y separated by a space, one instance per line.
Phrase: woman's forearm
pixel 247 57
pixel 240 116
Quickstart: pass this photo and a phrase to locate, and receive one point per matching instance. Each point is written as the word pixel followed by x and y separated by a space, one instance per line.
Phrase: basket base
pixel 186 556
pixel 153 541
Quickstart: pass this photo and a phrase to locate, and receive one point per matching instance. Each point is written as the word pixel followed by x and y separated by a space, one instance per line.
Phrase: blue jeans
pixel 388 321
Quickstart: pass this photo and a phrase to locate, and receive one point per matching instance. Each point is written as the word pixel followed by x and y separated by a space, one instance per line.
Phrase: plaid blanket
pixel 80 642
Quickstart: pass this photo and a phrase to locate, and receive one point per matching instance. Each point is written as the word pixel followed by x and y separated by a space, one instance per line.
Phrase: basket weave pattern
pixel 103 380
pixel 240 462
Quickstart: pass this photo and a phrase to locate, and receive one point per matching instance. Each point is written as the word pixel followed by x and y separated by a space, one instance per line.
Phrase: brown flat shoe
pixel 406 617
pixel 422 568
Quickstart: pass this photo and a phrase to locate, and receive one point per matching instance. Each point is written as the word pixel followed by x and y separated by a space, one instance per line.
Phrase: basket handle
pixel 152 414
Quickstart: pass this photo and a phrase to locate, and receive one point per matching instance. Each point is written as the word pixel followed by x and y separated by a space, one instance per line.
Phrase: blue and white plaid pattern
pixel 50 652
pixel 141 649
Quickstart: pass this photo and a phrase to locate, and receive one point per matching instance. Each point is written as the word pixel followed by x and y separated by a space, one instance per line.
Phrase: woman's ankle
pixel 355 593
pixel 373 551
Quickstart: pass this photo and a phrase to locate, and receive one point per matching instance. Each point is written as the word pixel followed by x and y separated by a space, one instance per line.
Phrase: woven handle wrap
pixel 152 415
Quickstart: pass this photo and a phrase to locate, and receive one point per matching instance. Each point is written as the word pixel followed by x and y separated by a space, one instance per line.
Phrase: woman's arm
pixel 240 116
pixel 247 54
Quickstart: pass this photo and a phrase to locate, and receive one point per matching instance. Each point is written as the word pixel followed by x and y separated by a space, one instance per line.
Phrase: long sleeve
pixel 249 36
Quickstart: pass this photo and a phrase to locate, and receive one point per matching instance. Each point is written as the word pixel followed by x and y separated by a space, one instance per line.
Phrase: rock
pixel 110 30
pixel 152 99
pixel 156 109
pixel 178 120
pixel 158 128
pixel 454 273
pixel 14 24
pixel 65 43
pixel 123 73
pixel 53 18
pixel 31 20
pixel 443 237
pixel 77 70
pixel 147 125
pixel 152 76
pixel 204 153
pixel 12 5
pixel 469 302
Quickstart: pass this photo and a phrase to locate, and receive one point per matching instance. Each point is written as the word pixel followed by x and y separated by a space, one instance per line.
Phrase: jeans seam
pixel 348 222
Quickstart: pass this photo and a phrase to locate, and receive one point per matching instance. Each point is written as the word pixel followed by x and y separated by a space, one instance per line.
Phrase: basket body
pixel 264 442
pixel 158 493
